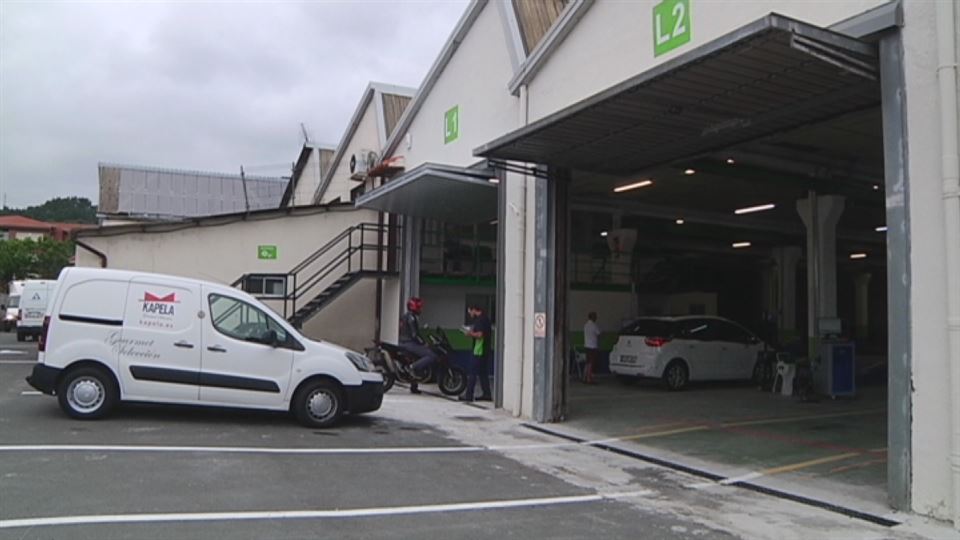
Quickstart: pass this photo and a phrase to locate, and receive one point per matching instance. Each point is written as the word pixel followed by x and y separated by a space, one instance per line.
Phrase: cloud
pixel 206 86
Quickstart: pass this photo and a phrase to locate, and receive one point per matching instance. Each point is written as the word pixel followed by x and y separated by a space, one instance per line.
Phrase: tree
pixel 22 259
pixel 61 209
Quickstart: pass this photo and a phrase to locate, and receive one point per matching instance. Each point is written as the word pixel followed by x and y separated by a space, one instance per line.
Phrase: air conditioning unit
pixel 361 162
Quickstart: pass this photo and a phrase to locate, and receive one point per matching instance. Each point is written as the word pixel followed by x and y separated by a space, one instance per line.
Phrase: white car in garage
pixel 678 350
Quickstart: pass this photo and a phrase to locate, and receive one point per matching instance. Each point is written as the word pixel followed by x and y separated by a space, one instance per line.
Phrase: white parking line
pixel 313 514
pixel 11 352
pixel 31 393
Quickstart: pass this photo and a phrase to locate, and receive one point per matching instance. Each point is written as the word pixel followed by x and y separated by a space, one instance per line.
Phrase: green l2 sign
pixel 671 25
pixel 451 125
pixel 266 252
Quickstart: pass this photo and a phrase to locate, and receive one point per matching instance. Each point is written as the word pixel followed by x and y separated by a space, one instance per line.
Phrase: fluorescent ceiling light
pixel 494 180
pixel 603 233
pixel 680 222
pixel 730 161
pixel 688 172
pixel 876 187
pixel 635 185
pixel 751 209
pixel 882 228
pixel 858 255
pixel 739 245
pixel 494 222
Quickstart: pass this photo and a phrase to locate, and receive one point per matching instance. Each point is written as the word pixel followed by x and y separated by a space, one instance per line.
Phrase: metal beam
pixel 712 218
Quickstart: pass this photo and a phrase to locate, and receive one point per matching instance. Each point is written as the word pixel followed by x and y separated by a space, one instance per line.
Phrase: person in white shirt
pixel 591 342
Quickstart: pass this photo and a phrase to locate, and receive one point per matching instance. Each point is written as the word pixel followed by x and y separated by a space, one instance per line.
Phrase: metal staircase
pixel 367 250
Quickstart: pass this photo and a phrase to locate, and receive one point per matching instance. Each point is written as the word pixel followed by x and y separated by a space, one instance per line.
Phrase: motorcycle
pixel 395 363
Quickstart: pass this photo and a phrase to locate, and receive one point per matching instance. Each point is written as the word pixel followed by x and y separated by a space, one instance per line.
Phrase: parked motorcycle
pixel 394 363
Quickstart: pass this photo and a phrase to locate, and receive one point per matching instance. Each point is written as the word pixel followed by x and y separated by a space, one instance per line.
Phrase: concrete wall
pixel 366 137
pixel 614 41
pixel 223 252
pixel 475 80
pixel 930 356
pixel 309 180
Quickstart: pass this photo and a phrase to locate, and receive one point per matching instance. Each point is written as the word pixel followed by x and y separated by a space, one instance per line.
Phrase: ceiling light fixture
pixel 494 180
pixel 688 172
pixel 680 222
pixel 738 245
pixel 876 187
pixel 882 228
pixel 494 222
pixel 858 255
pixel 603 233
pixel 730 161
pixel 635 185
pixel 751 209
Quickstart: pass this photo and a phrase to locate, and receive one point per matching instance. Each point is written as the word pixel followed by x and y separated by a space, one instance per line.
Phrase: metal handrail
pixel 303 285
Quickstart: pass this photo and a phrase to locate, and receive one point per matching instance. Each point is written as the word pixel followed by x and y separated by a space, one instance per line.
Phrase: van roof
pixel 81 272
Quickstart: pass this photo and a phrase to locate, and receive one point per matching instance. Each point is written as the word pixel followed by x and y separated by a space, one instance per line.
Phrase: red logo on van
pixel 170 298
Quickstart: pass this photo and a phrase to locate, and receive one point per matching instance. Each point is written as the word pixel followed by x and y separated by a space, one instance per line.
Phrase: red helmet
pixel 415 305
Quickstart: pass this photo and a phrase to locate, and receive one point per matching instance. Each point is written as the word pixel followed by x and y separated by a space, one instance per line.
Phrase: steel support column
pixel 896 179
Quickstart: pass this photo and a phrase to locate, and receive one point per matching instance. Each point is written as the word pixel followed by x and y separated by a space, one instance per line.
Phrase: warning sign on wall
pixel 539 325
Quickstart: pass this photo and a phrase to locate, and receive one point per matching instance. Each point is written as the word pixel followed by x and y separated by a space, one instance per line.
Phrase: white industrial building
pixel 568 156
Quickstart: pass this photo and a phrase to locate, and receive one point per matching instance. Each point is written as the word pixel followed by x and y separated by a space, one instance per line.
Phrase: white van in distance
pixel 113 335
pixel 33 306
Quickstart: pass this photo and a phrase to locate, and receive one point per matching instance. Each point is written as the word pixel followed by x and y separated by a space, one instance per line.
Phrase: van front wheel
pixel 87 393
pixel 318 404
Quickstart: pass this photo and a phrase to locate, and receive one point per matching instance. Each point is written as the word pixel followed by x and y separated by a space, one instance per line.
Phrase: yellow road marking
pixel 787 419
pixel 805 464
pixel 663 433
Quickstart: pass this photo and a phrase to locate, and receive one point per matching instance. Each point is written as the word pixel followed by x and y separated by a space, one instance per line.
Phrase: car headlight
pixel 361 362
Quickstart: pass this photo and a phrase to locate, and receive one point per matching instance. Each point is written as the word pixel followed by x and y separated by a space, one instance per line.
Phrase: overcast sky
pixel 206 86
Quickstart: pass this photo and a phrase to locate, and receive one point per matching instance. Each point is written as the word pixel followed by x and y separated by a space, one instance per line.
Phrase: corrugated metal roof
pixel 768 76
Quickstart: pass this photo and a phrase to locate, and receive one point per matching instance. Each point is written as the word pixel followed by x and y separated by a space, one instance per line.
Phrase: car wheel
pixel 87 393
pixel 676 376
pixel 318 404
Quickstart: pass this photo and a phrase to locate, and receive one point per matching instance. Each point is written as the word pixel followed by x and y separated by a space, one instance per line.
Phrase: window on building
pixel 266 285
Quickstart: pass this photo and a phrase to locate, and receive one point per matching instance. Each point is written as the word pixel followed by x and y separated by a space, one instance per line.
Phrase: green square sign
pixel 451 125
pixel 671 25
pixel 266 252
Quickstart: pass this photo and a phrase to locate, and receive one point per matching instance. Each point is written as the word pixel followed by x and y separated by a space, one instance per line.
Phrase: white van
pixel 112 335
pixel 13 305
pixel 33 306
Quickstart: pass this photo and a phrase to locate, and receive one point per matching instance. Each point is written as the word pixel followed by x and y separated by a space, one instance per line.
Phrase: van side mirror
pixel 270 338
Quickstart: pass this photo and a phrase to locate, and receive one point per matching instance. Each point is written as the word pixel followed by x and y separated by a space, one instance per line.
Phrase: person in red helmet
pixel 411 340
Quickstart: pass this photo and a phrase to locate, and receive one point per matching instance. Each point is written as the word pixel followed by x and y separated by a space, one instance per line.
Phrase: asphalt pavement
pixel 421 467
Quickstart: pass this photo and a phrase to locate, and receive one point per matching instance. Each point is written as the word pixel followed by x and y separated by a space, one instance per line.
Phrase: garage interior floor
pixel 830 450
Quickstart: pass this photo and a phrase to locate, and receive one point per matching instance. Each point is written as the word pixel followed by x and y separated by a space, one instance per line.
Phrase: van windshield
pixel 13 302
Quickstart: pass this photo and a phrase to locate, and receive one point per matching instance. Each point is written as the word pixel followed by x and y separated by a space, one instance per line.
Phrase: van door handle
pixel 183 344
pixel 216 348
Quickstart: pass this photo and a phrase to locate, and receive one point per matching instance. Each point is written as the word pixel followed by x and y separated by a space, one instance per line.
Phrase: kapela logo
pixel 159 305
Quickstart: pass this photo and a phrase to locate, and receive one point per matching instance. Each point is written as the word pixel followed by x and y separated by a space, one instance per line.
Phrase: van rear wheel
pixel 87 393
pixel 318 404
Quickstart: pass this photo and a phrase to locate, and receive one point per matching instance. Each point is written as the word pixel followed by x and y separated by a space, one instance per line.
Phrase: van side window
pixel 240 320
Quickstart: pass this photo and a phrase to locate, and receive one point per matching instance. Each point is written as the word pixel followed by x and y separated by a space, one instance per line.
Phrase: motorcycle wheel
pixel 423 376
pixel 388 380
pixel 453 382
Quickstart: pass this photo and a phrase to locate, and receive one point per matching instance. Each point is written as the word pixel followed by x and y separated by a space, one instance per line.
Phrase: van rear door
pixel 161 341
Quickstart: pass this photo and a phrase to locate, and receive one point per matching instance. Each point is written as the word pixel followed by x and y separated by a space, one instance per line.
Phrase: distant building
pixel 133 193
pixel 24 228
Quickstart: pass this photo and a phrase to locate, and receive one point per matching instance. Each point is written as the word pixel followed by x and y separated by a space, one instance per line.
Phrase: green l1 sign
pixel 451 124
pixel 266 252
pixel 671 25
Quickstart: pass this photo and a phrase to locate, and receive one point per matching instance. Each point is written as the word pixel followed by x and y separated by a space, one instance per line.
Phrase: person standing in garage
pixel 480 330
pixel 591 344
